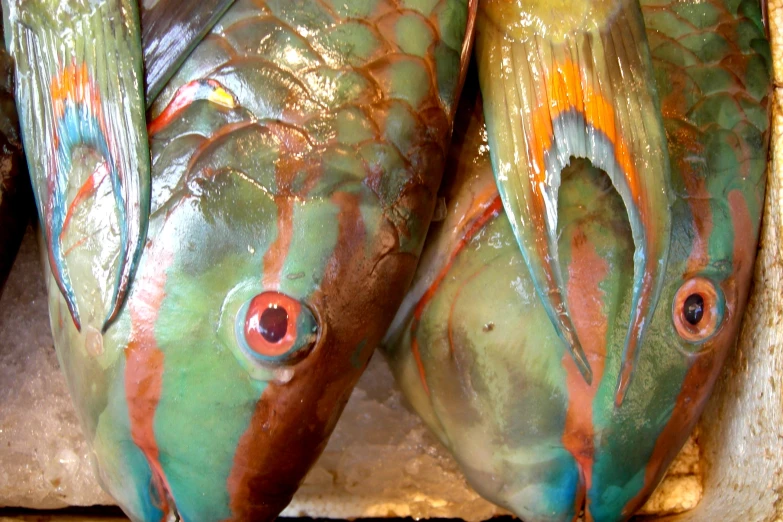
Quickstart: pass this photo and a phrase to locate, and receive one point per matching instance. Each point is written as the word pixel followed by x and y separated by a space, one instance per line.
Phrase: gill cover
pixel 82 111
pixel 576 82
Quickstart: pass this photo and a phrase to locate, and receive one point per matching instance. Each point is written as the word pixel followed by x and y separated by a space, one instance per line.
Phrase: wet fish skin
pixel 474 346
pixel 295 156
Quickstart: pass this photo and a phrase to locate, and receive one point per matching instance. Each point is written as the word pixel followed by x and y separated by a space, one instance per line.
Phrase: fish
pixel 571 314
pixel 212 321
pixel 79 90
pixel 15 196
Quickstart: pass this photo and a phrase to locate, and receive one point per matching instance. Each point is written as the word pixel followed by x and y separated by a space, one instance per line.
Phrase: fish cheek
pixel 206 398
pixel 363 284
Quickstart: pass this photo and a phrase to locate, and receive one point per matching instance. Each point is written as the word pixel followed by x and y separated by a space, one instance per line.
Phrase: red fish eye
pixel 270 324
pixel 697 310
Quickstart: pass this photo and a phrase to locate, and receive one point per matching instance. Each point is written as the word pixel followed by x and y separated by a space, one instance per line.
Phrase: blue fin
pixel 80 84
pixel 576 84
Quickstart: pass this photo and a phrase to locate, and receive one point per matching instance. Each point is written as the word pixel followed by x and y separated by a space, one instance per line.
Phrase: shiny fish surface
pixel 211 340
pixel 572 312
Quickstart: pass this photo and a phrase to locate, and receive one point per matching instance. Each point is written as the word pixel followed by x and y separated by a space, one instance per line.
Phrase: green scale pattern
pixel 496 382
pixel 317 180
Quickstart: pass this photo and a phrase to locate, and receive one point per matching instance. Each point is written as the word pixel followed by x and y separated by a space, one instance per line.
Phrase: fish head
pixel 262 290
pixel 567 370
pixel 291 194
pixel 477 354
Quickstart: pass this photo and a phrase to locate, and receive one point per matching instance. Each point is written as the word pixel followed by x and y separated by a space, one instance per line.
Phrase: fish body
pixel 536 427
pixel 295 154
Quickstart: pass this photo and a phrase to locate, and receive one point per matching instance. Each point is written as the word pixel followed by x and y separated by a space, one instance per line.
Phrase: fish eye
pixel 693 309
pixel 698 310
pixel 275 328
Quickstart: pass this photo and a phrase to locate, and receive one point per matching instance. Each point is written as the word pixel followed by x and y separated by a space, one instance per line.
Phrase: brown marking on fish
pixel 292 145
pixel 364 277
pixel 586 271
pixel 381 71
pixel 744 244
pixel 707 363
pixel 292 421
pixel 278 250
pixel 701 212
pixel 223 132
pixel 466 51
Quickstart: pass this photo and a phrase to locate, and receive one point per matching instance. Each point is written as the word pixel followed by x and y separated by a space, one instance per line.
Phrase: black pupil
pixel 693 309
pixel 274 324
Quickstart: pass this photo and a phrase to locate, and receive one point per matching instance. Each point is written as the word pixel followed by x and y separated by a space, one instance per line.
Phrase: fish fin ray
pixel 581 91
pixel 71 95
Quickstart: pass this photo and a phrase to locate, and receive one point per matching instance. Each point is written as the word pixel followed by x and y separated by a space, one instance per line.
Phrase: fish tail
pixel 576 85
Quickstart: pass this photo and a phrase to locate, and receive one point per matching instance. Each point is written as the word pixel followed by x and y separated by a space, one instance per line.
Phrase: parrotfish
pixel 229 239
pixel 571 314
pixel 15 197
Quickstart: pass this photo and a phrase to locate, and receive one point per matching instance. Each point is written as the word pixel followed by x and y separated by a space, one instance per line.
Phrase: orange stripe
pixel 586 272
pixel 144 363
pixel 184 96
pixel 278 250
pixel 566 91
pixel 85 191
pixel 196 90
pixel 75 84
pixel 76 245
pixel 292 147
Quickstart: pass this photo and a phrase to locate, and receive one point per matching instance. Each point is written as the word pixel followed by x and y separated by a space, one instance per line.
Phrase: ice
pixel 44 460
pixel 381 460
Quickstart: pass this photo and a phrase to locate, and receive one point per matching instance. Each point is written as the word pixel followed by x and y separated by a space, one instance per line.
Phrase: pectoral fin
pixel 80 88
pixel 577 84
pixel 170 31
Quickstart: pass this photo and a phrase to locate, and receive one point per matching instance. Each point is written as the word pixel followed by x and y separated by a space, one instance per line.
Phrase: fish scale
pixel 473 346
pixel 363 95
pixel 296 151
